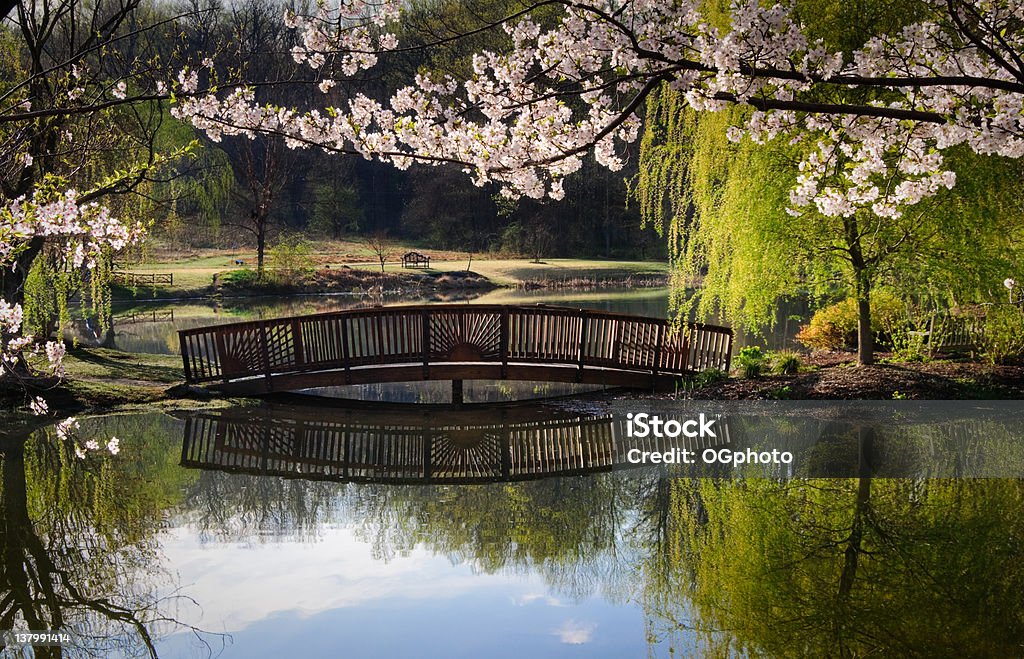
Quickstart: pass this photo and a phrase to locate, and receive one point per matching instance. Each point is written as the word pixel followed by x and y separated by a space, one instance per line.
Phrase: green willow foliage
pixel 723 207
pixel 767 567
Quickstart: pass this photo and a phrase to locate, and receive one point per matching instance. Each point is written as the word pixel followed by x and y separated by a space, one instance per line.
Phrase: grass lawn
pixel 511 272
pixel 194 271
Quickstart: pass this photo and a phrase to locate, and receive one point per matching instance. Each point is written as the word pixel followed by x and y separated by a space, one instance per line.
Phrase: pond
pixel 521 531
pixel 152 327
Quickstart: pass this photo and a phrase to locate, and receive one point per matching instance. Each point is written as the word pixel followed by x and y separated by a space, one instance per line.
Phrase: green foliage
pixel 909 344
pixel 710 376
pixel 722 205
pixel 337 209
pixel 243 278
pixel 843 567
pixel 835 327
pixel 1003 337
pixel 292 260
pixel 48 288
pixel 751 362
pixel 785 362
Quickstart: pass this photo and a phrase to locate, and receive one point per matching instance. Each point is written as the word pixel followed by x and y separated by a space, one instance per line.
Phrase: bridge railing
pixel 450 333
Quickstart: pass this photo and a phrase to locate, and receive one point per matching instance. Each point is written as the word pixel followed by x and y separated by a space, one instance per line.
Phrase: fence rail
pixel 449 342
pixel 140 278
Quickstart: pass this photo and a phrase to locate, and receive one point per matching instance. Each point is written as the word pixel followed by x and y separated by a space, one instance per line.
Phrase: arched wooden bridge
pixel 449 342
pixel 387 447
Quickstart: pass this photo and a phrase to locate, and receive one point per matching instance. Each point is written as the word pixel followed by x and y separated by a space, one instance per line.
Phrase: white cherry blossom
pixel 512 122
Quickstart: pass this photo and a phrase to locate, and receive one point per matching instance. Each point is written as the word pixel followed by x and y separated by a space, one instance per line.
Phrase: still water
pixel 519 532
pixel 152 327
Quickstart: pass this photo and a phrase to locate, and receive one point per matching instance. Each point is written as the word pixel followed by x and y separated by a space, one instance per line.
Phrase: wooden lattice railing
pixel 448 334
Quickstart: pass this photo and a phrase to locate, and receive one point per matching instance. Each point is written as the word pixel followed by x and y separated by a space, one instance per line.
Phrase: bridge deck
pixel 449 342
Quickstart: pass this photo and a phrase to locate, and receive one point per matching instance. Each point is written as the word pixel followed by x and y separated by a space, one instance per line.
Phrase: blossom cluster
pixel 86 229
pixel 528 113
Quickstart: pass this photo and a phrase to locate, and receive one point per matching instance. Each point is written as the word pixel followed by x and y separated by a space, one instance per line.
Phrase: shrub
pixel 835 327
pixel 292 260
pixel 786 362
pixel 751 362
pixel 710 376
pixel 242 278
pixel 1003 338
pixel 909 345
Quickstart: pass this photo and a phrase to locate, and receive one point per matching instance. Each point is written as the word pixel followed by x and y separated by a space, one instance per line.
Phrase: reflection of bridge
pixel 365 446
pixel 450 342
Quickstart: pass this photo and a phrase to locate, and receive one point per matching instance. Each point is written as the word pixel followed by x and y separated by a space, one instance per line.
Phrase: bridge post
pixel 658 343
pixel 503 341
pixel 425 315
pixel 428 445
pixel 457 398
pixel 583 337
pixel 265 355
pixel 297 345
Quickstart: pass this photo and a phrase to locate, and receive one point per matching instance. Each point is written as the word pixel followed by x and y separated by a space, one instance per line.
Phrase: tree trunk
pixel 865 337
pixel 862 287
pixel 854 545
pixel 261 242
pixel 13 278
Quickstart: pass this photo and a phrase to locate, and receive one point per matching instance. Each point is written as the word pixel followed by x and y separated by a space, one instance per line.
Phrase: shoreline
pixel 201 278
pixel 103 380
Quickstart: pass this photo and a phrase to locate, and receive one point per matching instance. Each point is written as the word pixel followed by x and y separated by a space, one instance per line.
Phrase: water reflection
pixel 78 546
pixel 612 563
pixel 395 445
pixel 842 568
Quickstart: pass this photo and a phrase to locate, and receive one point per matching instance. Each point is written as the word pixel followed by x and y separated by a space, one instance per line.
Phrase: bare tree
pixel 381 246
pixel 263 167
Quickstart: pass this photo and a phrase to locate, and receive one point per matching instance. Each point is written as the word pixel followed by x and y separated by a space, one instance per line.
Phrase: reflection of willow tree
pixel 851 567
pixel 78 542
pixel 575 532
pixel 239 507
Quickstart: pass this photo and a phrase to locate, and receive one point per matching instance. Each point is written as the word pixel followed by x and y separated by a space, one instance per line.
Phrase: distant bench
pixel 415 260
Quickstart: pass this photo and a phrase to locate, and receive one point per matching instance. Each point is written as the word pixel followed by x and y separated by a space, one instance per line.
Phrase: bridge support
pixel 457 398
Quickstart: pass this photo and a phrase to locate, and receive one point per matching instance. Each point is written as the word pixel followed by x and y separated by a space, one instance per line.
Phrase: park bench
pixel 415 260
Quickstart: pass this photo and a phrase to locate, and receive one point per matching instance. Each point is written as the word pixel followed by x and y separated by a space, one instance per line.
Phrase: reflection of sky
pixel 332 598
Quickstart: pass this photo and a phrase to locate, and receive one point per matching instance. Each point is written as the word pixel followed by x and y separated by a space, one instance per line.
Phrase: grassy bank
pixel 100 379
pixel 193 273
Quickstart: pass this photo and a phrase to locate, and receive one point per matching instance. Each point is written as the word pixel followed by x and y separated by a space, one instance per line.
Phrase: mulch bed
pixel 836 376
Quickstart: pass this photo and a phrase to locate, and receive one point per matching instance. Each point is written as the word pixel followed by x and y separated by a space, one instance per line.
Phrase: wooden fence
pixel 143 278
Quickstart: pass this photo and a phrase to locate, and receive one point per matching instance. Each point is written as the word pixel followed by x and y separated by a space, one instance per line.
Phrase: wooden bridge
pixel 383 446
pixel 449 342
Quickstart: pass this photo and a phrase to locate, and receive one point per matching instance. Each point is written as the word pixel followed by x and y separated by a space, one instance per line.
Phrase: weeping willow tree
pixel 724 208
pixel 719 205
